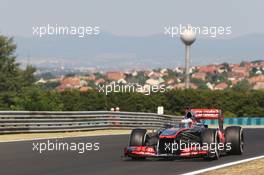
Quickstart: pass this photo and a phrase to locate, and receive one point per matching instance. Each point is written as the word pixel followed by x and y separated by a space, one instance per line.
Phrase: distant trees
pixel 49 86
pixel 140 78
pixel 82 101
pixel 243 85
pixel 35 99
pixel 233 103
pixel 12 78
pixel 200 83
pixel 9 71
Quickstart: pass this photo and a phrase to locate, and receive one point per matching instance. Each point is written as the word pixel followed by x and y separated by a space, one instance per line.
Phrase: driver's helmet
pixel 186 122
pixel 189 115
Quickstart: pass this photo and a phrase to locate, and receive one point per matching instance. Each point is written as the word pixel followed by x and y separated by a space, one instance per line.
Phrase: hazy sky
pixel 133 17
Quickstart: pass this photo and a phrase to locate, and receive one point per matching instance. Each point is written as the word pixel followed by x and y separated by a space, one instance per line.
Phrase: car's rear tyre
pixel 138 137
pixel 234 137
pixel 210 140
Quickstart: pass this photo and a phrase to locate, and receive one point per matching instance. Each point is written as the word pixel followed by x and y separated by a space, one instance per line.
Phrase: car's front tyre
pixel 138 137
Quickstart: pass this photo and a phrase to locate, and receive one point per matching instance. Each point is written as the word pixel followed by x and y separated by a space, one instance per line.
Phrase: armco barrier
pixel 239 121
pixel 44 121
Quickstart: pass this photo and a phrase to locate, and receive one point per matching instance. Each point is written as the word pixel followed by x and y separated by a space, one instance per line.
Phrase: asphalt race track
pixel 18 158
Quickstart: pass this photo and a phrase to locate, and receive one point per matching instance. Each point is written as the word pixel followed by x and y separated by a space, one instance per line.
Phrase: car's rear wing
pixel 209 114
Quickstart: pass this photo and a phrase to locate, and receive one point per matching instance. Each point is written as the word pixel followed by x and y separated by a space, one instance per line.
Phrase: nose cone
pixel 188 37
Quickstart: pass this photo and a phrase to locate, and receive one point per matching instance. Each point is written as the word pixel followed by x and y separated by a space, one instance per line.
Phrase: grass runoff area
pixel 36 136
pixel 255 167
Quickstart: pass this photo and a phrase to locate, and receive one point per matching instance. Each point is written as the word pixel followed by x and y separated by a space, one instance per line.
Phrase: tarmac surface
pixel 18 158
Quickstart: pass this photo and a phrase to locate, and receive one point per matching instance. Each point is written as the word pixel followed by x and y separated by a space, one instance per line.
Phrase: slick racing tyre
pixel 210 140
pixel 234 136
pixel 138 137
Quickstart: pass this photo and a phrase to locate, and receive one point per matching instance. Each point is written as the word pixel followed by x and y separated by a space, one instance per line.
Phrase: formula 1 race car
pixel 189 138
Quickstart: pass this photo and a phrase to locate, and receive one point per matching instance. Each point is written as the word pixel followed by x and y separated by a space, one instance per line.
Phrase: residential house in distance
pixel 210 85
pixel 182 86
pixel 89 78
pixel 241 71
pixel 99 81
pixel 154 75
pixel 170 81
pixel 164 72
pixel 41 81
pixel 84 89
pixel 259 86
pixel 207 69
pixel 257 81
pixel 115 76
pixel 199 75
pixel 211 75
pixel 69 83
pixel 221 86
pixel 178 70
pixel 152 82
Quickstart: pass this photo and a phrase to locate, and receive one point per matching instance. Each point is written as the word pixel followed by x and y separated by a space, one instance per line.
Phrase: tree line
pixel 233 103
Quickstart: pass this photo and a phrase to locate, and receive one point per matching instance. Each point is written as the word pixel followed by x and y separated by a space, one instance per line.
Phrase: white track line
pixel 223 165
pixel 35 139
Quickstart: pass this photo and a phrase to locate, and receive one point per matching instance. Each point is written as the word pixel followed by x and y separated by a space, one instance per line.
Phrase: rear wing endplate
pixel 209 114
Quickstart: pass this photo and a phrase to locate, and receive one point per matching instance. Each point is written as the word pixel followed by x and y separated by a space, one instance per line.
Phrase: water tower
pixel 188 37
